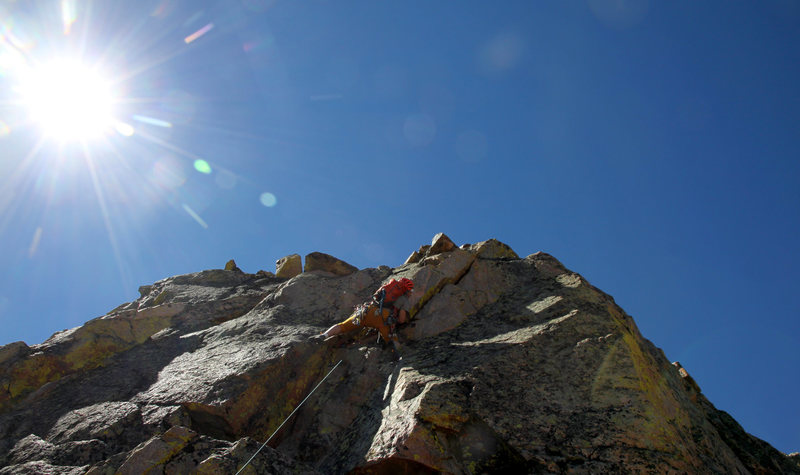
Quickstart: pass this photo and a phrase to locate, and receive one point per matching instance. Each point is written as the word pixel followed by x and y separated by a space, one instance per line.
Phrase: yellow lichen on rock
pixel 663 417
pixel 87 347
pixel 268 388
pixel 231 266
pixel 30 374
pixel 525 368
pixel 289 266
pixel 163 296
pixel 154 454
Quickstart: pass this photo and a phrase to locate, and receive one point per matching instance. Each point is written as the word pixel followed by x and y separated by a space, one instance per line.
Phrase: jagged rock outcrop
pixel 231 265
pixel 509 364
pixel 319 261
pixel 289 266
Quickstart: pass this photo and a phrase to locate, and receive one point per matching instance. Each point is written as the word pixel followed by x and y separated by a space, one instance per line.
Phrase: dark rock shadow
pixel 334 429
pixel 123 376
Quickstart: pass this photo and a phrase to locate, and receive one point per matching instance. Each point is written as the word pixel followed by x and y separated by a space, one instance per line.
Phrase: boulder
pixel 231 266
pixel 233 457
pixel 157 452
pixel 417 255
pixel 318 261
pixel 440 243
pixel 494 249
pixel 30 448
pixel 39 467
pixel 144 290
pixel 13 351
pixel 289 266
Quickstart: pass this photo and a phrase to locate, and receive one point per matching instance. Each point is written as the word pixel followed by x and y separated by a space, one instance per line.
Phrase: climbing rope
pixel 289 417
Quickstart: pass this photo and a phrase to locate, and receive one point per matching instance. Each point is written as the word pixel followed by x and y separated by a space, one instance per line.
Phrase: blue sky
pixel 650 146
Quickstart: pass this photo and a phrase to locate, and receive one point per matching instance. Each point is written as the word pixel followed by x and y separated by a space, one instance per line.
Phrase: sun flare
pixel 68 100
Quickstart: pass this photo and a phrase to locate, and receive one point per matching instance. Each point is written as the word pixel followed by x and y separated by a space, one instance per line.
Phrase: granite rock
pixel 509 365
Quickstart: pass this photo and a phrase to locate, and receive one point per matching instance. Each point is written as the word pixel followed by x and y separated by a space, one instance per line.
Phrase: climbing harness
pixel 289 417
pixel 390 320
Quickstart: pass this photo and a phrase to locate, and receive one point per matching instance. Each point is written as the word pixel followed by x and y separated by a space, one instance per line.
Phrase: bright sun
pixel 71 102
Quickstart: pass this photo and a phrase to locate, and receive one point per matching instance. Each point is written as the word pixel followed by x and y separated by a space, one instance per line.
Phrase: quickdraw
pixel 379 298
pixel 361 311
pixel 391 322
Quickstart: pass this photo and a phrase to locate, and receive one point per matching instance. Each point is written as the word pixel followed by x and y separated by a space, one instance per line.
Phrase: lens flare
pixel 167 174
pixel 68 15
pixel 197 34
pixel 37 237
pixel 151 121
pixel 195 216
pixel 124 129
pixel 202 166
pixel 502 54
pixel 163 9
pixel 268 199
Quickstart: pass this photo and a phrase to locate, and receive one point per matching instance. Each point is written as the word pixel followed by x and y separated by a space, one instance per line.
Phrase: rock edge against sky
pixel 508 364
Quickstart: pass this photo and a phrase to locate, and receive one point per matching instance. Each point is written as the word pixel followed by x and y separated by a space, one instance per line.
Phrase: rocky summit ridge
pixel 509 365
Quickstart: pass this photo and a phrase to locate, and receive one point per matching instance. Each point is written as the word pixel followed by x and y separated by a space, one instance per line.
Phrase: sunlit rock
pixel 157 452
pixel 289 266
pixel 417 255
pixel 318 261
pixel 231 266
pixel 440 243
pixel 494 249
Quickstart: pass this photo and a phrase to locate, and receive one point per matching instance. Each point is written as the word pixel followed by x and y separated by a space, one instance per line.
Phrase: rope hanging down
pixel 289 417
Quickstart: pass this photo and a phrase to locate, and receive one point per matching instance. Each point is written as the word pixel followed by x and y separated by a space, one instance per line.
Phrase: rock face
pixel 509 365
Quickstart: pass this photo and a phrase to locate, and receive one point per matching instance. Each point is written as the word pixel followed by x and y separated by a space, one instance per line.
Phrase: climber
pixel 383 312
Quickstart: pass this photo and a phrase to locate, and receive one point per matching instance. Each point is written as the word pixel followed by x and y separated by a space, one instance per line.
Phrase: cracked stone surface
pixel 509 364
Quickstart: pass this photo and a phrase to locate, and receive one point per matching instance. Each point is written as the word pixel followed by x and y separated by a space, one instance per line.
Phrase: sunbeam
pixel 101 202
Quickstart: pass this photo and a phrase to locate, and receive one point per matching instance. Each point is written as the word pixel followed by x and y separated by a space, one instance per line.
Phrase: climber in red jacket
pixel 383 312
